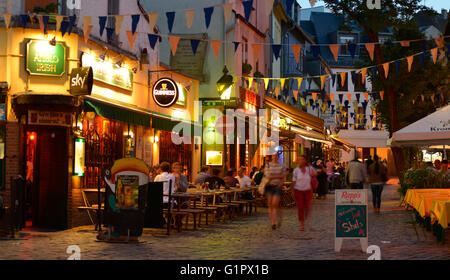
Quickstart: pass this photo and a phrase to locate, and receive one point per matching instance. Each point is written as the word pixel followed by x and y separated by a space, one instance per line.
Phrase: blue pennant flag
pixel 289 4
pixel 315 51
pixel 134 22
pixel 311 102
pixel 422 59
pixel 352 49
pixel 247 8
pixel 346 103
pixel 329 103
pixel 397 65
pixel 333 78
pixel 447 53
pixel 170 19
pixel 375 71
pixel 64 27
pixel 340 98
pixel 358 95
pixel 109 33
pixel 208 13
pixel 236 45
pixel 364 104
pixel 102 23
pixel 194 45
pixel 24 19
pixel 45 20
pixel 352 115
pixel 423 45
pixel 353 75
pixel 152 38
pixel 72 20
pixel 276 50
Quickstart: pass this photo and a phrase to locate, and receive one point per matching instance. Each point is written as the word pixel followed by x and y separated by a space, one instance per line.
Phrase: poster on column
pixel 351 219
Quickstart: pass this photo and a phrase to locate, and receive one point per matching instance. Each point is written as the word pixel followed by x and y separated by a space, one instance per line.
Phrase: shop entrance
pixel 46 188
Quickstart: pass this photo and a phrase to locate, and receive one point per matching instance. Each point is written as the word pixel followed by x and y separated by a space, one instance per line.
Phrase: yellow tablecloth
pixel 413 199
pixel 440 211
pixel 426 201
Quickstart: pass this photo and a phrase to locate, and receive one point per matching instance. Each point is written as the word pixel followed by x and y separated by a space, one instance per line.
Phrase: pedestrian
pixel 377 178
pixel 166 178
pixel 181 181
pixel 355 174
pixel 202 175
pixel 302 189
pixel 275 172
pixel 368 162
pixel 322 189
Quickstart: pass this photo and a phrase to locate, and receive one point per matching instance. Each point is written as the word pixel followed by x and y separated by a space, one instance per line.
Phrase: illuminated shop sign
pixel 108 72
pixel 165 92
pixel 44 59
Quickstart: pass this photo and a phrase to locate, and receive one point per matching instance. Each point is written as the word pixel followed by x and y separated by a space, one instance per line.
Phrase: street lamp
pixel 224 84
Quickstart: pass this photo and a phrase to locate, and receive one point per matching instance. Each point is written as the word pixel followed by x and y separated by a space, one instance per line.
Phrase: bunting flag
pixel 422 97
pixel 86 32
pixel 72 20
pixel 439 42
pixel 236 45
pixel 322 81
pixel 422 59
pixel 190 14
pixel 134 22
pixel 194 45
pixel 335 51
pixel 109 33
pixel 404 43
pixel 119 21
pixel 152 39
pixel 170 19
pixel 250 82
pixel 295 92
pixel 299 82
pixel 208 13
pixel 397 66
pixel 276 49
pixel 358 95
pixel 343 78
pixel 131 38
pixel 312 3
pixel 102 23
pixel 216 47
pixel 363 75
pixel 296 49
pixel 382 95
pixel 434 54
pixel 247 8
pixel 173 41
pixel 41 23
pixel 423 45
pixel 152 19
pixel 353 76
pixel 386 69
pixel 64 28
pixel 331 96
pixel 333 79
pixel 374 71
pixel 266 83
pixel 341 96
pixel 349 96
pixel 277 91
pixel 366 96
pixel 24 19
pixel 314 95
pixel 410 61
pixel 352 49
pixel 227 9
pixel 7 18
pixel 370 49
pixel 86 22
pixel 282 80
pixel 315 50
pixel 256 48
pixel 269 6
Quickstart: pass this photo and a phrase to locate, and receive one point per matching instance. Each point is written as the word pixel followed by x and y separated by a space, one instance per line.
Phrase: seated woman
pixel 230 180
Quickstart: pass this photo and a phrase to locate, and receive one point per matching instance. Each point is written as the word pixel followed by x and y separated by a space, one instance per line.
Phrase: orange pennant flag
pixel 343 78
pixel 216 47
pixel 277 91
pixel 131 38
pixel 335 51
pixel 331 97
pixel 152 19
pixel 314 95
pixel 439 42
pixel 370 49
pixel 434 54
pixel 256 48
pixel 382 95
pixel 174 43
pixel 349 96
pixel 296 49
pixel 299 81
pixel 7 18
pixel 386 69
pixel 295 92
pixel 322 81
pixel 227 9
pixel 189 17
pixel 363 75
pixel 366 95
pixel 404 43
pixel 87 32
pixel 410 61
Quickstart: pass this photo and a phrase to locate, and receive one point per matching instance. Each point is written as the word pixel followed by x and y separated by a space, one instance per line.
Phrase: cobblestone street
pixel 248 238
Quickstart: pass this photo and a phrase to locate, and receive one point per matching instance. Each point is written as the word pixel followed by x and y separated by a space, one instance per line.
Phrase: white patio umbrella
pixel 434 129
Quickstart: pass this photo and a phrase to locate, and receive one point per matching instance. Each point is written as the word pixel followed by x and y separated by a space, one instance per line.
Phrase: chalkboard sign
pixel 351 221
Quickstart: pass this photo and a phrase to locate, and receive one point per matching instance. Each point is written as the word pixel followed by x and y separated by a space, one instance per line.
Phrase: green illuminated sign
pixel 44 59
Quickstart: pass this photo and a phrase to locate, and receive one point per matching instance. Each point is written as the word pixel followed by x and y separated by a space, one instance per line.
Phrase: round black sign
pixel 165 92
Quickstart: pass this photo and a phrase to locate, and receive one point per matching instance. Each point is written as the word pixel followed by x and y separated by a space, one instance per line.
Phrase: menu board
pixel 351 221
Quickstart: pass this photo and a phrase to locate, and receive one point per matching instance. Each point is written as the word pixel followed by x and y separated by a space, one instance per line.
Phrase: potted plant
pixel 246 68
pixel 258 75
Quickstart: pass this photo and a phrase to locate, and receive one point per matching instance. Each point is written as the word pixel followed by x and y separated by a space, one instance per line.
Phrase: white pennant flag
pixel 152 18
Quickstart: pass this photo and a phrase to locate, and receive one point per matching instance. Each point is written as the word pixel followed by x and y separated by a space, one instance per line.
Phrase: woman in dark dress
pixel 322 190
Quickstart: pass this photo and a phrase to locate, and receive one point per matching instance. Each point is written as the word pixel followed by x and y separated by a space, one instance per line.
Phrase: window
pixel 339 86
pixel 360 118
pixel 345 39
pixel 342 117
pixel 359 86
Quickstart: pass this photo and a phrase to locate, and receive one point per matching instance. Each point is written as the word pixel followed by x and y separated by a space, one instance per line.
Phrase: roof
pixel 437 21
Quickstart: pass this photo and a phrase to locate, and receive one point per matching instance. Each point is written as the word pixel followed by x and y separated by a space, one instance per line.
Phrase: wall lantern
pixel 224 84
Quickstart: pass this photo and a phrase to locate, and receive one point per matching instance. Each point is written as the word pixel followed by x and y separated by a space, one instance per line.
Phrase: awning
pixel 298 116
pixel 342 144
pixel 311 135
pixel 118 113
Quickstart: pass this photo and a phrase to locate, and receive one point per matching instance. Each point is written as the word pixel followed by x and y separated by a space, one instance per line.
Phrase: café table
pixel 426 201
pixel 412 197
pixel 440 212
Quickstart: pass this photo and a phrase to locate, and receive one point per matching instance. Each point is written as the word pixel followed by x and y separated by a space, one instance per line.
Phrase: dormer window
pixel 345 39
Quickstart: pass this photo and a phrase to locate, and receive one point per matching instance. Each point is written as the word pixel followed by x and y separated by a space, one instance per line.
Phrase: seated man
pixel 230 180
pixel 214 182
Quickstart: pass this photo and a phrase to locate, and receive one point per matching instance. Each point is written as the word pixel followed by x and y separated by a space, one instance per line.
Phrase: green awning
pixel 117 113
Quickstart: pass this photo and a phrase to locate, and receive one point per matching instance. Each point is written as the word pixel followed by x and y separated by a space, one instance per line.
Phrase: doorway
pixel 46 175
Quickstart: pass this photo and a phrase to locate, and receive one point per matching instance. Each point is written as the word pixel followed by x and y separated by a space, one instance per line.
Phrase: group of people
pixel 437 166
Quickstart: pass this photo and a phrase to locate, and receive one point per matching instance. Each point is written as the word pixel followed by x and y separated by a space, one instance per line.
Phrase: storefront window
pixel 171 153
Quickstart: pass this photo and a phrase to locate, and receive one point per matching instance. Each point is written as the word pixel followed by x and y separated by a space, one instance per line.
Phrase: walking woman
pixel 377 178
pixel 302 189
pixel 275 173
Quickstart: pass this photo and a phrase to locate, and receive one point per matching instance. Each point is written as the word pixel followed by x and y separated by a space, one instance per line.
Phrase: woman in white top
pixel 303 194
